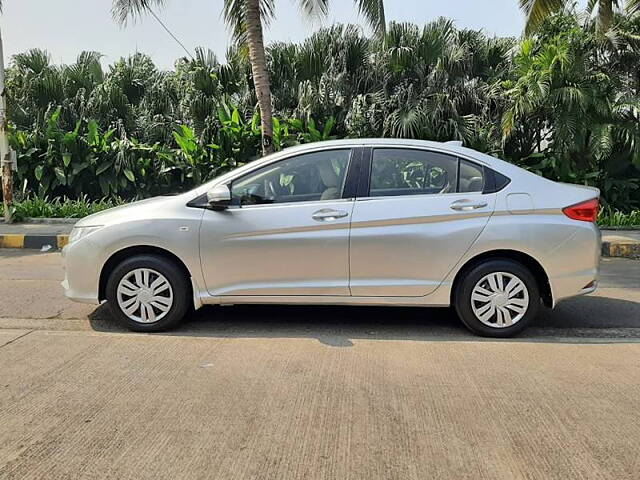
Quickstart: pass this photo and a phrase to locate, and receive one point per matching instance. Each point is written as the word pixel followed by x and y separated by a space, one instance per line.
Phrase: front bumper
pixel 81 279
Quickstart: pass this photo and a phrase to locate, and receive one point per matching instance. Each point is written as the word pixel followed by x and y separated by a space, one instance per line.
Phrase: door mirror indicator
pixel 219 198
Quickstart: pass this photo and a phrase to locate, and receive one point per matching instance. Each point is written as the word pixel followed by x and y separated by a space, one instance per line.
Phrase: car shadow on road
pixel 584 319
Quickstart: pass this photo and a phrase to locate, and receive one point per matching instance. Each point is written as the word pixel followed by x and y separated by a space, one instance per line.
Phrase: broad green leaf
pixel 104 185
pixel 129 174
pixel 45 183
pixel 328 127
pixel 255 122
pixel 79 167
pixel 296 123
pixel 103 168
pixel 60 175
pixel 92 135
pixel 235 116
pixel 38 172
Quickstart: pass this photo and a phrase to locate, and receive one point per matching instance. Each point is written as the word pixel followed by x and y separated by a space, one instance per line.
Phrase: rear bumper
pixel 575 265
pixel 589 289
pixel 574 288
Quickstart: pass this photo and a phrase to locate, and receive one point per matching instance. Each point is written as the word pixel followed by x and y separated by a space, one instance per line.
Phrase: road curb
pixel 621 249
pixel 38 242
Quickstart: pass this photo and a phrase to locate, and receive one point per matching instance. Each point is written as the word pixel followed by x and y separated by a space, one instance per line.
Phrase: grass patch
pixel 59 207
pixel 615 218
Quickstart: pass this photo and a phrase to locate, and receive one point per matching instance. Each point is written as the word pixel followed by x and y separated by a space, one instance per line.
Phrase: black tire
pixel 176 277
pixel 468 281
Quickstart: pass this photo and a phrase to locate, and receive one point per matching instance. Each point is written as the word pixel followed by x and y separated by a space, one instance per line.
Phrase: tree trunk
pixel 5 153
pixel 261 81
pixel 605 15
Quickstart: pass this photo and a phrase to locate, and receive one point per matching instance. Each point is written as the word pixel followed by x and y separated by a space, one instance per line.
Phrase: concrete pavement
pixel 93 406
pixel 308 392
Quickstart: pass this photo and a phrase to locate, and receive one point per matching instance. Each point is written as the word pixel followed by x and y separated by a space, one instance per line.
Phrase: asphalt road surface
pixel 309 392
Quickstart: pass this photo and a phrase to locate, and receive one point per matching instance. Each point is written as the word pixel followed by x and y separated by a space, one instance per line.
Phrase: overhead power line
pixel 162 24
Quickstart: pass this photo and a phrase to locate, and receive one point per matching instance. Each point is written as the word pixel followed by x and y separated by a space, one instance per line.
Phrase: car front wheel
pixel 148 293
pixel 497 298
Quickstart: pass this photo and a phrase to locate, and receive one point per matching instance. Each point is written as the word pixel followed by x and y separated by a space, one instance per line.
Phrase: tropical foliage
pixel 538 11
pixel 563 103
pixel 247 19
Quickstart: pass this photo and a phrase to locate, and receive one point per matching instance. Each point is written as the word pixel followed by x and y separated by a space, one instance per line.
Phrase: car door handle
pixel 328 215
pixel 465 206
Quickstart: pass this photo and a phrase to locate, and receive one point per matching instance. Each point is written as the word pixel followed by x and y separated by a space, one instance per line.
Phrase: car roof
pixel 366 142
pixel 452 147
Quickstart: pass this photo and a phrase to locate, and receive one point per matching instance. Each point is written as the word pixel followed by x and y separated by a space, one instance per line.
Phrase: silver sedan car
pixel 351 222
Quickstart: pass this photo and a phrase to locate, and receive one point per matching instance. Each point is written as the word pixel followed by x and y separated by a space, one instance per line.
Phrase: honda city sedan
pixel 350 222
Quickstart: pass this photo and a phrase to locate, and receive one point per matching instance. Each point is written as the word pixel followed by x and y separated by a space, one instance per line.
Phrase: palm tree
pixel 246 19
pixel 538 10
pixel 5 155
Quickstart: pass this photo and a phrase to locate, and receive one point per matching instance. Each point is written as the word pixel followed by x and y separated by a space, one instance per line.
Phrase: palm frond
pixel 233 12
pixel 374 14
pixel 605 12
pixel 314 9
pixel 125 10
pixel 633 6
pixel 538 10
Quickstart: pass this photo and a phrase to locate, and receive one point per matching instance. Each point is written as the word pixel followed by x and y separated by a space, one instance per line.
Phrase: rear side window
pixel 396 172
pixel 471 177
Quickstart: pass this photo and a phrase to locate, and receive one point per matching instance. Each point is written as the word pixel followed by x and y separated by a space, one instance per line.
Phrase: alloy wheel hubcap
pixel 145 295
pixel 500 300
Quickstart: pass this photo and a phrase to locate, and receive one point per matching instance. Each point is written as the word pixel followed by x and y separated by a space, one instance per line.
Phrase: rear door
pixel 416 215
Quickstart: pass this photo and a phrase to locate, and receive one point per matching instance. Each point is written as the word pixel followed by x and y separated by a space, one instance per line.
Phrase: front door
pixel 286 233
pixel 422 211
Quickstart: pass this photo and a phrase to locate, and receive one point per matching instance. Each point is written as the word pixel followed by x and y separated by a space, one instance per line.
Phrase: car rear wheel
pixel 497 298
pixel 148 293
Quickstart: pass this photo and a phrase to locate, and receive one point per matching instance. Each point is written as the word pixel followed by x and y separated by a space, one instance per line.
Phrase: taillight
pixel 585 211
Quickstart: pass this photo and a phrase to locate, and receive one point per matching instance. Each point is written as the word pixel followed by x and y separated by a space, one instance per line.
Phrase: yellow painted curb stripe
pixel 63 240
pixel 12 240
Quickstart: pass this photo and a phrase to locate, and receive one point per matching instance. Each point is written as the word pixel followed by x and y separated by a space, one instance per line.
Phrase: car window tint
pixel 471 177
pixel 308 177
pixel 397 172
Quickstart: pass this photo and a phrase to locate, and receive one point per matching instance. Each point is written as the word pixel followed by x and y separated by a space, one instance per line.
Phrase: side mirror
pixel 219 197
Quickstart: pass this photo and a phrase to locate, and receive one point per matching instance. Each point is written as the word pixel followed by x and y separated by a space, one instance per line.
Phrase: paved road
pixel 32 298
pixel 292 392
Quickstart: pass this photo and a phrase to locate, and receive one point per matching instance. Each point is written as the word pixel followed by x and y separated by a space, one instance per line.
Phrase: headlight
pixel 80 232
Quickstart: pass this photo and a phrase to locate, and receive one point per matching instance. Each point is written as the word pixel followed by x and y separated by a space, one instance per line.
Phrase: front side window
pixel 396 172
pixel 305 178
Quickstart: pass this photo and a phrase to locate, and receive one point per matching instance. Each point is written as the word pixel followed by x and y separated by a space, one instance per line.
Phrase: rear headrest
pixel 475 184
